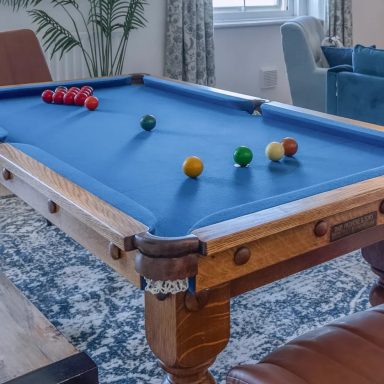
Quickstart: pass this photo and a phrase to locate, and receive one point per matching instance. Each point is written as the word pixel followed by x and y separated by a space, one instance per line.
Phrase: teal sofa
pixel 357 91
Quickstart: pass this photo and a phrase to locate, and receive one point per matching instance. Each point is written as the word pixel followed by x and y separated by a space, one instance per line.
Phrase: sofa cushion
pixel 368 61
pixel 337 56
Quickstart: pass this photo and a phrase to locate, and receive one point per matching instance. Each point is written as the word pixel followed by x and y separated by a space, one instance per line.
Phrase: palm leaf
pixel 63 3
pixel 134 18
pixel 103 56
pixel 111 15
pixel 17 4
pixel 55 38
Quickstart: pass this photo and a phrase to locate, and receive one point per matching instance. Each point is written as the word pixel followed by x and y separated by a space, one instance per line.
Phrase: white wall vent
pixel 268 77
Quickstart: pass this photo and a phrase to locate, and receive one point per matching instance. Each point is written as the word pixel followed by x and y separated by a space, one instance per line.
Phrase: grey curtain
pixel 189 53
pixel 339 20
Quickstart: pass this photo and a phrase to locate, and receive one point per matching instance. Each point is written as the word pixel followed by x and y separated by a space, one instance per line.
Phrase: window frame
pixel 259 15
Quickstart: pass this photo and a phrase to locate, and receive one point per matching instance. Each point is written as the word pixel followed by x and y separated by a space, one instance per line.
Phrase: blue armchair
pixel 305 62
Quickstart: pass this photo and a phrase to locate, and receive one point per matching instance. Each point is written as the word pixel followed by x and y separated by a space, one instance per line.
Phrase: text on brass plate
pixel 353 226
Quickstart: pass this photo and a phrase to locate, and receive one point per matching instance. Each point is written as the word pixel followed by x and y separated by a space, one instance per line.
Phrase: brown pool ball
pixel 290 146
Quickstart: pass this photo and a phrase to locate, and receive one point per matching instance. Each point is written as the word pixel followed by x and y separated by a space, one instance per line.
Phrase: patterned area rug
pixel 102 314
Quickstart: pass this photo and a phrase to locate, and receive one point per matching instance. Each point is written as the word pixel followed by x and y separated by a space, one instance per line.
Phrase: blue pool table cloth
pixel 139 172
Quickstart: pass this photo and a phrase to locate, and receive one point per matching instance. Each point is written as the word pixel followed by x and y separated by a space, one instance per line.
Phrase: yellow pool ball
pixel 193 166
pixel 274 151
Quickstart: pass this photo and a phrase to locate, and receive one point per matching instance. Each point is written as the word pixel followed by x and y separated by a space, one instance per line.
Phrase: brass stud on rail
pixel 114 251
pixel 7 175
pixel 52 207
pixel 321 228
pixel 242 256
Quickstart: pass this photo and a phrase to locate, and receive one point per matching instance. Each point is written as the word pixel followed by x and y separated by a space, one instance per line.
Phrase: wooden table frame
pixel 188 330
pixel 32 350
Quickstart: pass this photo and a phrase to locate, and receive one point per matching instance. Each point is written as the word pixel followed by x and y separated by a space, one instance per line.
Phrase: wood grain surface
pixel 274 248
pixel 83 233
pixel 374 255
pixel 4 191
pixel 273 221
pixel 111 223
pixel 187 342
pixel 27 340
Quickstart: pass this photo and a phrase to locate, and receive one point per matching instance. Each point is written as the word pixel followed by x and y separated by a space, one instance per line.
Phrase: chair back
pixel 305 61
pixel 21 58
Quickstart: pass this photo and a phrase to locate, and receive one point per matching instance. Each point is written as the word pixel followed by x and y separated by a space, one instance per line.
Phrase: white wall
pixel 241 53
pixel 368 22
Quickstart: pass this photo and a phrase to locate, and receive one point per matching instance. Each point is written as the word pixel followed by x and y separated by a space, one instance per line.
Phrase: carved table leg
pixel 187 341
pixel 374 255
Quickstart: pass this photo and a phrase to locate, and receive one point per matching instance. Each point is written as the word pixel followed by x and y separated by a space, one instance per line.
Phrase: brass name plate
pixel 353 226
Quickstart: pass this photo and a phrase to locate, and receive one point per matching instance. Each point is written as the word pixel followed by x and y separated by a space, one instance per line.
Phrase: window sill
pixel 250 23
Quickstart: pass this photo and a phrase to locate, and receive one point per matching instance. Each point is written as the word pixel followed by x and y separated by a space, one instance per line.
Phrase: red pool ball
pixel 80 99
pixel 69 98
pixel 74 90
pixel 61 88
pixel 88 88
pixel 58 97
pixel 290 146
pixel 91 103
pixel 86 92
pixel 47 96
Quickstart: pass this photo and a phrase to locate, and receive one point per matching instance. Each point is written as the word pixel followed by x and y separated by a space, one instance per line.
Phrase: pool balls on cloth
pixel 193 166
pixel 290 146
pixel 242 156
pixel 61 88
pixel 80 99
pixel 47 96
pixel 58 97
pixel 91 103
pixel 148 122
pixel 88 89
pixel 69 98
pixel 74 89
pixel 274 151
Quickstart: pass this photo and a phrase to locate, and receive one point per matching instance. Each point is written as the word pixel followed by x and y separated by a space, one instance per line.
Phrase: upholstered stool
pixel 350 351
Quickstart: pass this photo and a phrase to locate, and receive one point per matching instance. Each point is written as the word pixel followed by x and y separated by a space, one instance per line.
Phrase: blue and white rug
pixel 102 314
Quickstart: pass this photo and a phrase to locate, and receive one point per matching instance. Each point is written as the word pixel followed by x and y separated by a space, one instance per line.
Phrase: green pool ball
pixel 148 122
pixel 242 156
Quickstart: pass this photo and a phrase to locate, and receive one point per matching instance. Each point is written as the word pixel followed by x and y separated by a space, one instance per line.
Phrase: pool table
pixel 193 243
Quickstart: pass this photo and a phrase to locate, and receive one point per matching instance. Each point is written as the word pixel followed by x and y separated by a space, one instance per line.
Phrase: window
pixel 227 12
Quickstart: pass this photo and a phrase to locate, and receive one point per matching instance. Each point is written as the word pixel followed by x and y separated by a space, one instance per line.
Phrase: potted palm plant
pixel 102 34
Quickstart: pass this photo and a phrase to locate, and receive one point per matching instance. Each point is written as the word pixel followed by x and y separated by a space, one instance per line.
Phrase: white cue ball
pixel 274 151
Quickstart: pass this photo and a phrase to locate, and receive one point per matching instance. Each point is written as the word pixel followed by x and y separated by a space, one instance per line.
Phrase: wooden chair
pixel 21 58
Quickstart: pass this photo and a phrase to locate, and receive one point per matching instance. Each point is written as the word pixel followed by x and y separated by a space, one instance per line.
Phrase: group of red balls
pixel 73 96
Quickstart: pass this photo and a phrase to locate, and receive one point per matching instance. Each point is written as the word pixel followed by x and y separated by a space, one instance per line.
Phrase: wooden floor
pixel 4 191
pixel 32 350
